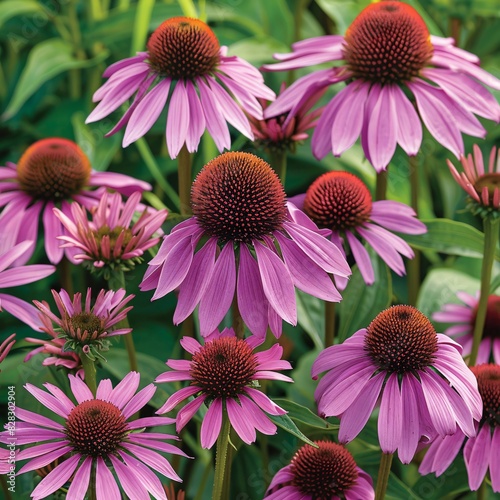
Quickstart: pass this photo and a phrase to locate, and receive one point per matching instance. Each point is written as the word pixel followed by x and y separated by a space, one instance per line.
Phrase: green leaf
pixel 342 12
pixel 287 424
pixel 450 237
pixel 141 25
pixel 361 303
pixel 304 415
pixel 45 61
pixel 396 489
pixel 13 8
pixel 311 317
pixel 258 50
pixel 149 367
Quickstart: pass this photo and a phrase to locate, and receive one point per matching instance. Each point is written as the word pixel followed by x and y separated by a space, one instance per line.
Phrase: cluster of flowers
pixel 247 248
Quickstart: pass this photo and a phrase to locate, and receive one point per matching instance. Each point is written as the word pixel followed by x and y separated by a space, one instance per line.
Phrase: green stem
pixel 115 282
pixel 155 171
pixel 329 323
pixel 65 275
pixel 238 325
pixel 92 489
pixel 90 375
pixel 5 488
pixel 491 232
pixel 221 457
pixel 414 264
pixel 297 30
pixel 278 162
pixel 455 29
pixel 188 8
pixel 381 186
pixel 226 487
pixel 481 493
pixel 383 475
pixel 184 163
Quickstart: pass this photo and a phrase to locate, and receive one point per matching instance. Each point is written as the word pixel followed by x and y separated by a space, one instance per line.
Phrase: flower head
pixel 97 435
pixel 83 329
pixel 422 381
pixel 463 318
pixel 11 276
pixel 481 451
pixel 284 131
pixel 482 186
pixel 240 215
pixel 111 241
pixel 224 374
pixel 50 173
pixel 341 202
pixel 183 61
pixel 328 472
pixel 388 50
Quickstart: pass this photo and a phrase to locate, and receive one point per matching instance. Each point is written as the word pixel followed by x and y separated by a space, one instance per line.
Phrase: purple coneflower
pixel 111 241
pixel 483 186
pixel 422 381
pixel 224 373
pixel 388 50
pixel 81 328
pixel 240 216
pixel 183 61
pixel 18 276
pixel 480 452
pixel 463 317
pixel 341 202
pixel 50 173
pixel 284 131
pixel 328 472
pixel 97 436
pixel 6 346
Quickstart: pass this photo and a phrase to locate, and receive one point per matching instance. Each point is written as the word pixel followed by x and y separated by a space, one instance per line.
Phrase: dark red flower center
pixel 338 201
pixel 53 169
pixel 223 367
pixel 96 428
pixel 401 339
pixel 238 197
pixel 183 48
pixel 488 382
pixel 489 181
pixel 387 42
pixel 492 324
pixel 85 327
pixel 324 472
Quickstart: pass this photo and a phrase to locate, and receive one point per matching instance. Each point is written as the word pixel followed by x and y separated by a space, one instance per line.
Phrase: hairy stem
pixel 383 475
pixel 221 458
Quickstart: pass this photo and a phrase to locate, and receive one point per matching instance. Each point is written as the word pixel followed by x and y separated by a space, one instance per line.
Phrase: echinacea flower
pixel 480 452
pixel 327 472
pixel 483 186
pixel 18 276
pixel 204 87
pixel 463 318
pixel 419 377
pixel 240 218
pixel 97 435
pixel 387 52
pixel 224 373
pixel 341 202
pixel 6 346
pixel 52 172
pixel 111 241
pixel 82 328
pixel 283 132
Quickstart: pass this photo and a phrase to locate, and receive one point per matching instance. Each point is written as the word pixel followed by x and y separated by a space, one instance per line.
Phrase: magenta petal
pixel 495 460
pixel 80 482
pixel 196 118
pixel 178 119
pixel 362 258
pixel 139 400
pixel 147 112
pixel 210 427
pixel 240 421
pixel 355 417
pixel 44 454
pixel 476 455
pixel 49 401
pixel 128 481
pixel 80 389
pixel 276 283
pixel 410 424
pixel 264 402
pixel 219 293
pixel 409 128
pixel 252 302
pixel 124 390
pixel 177 397
pixel 56 478
pixel 390 416
pixel 256 417
pixel 21 310
pixel 187 412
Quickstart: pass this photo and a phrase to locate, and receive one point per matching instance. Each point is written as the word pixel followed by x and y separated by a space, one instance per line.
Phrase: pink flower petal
pixel 211 425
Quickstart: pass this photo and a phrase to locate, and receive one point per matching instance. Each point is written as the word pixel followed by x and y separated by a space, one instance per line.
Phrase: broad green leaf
pixel 99 149
pixel 287 424
pixel 311 317
pixel 149 367
pixel 441 286
pixel 257 50
pixel 396 489
pixel 45 61
pixel 302 392
pixel 361 303
pixel 304 415
pixel 13 8
pixel 342 12
pixel 450 237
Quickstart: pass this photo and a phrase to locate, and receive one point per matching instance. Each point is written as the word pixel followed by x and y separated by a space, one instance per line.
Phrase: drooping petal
pixel 211 425
pixel 390 418
pixel 476 456
pixel 177 120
